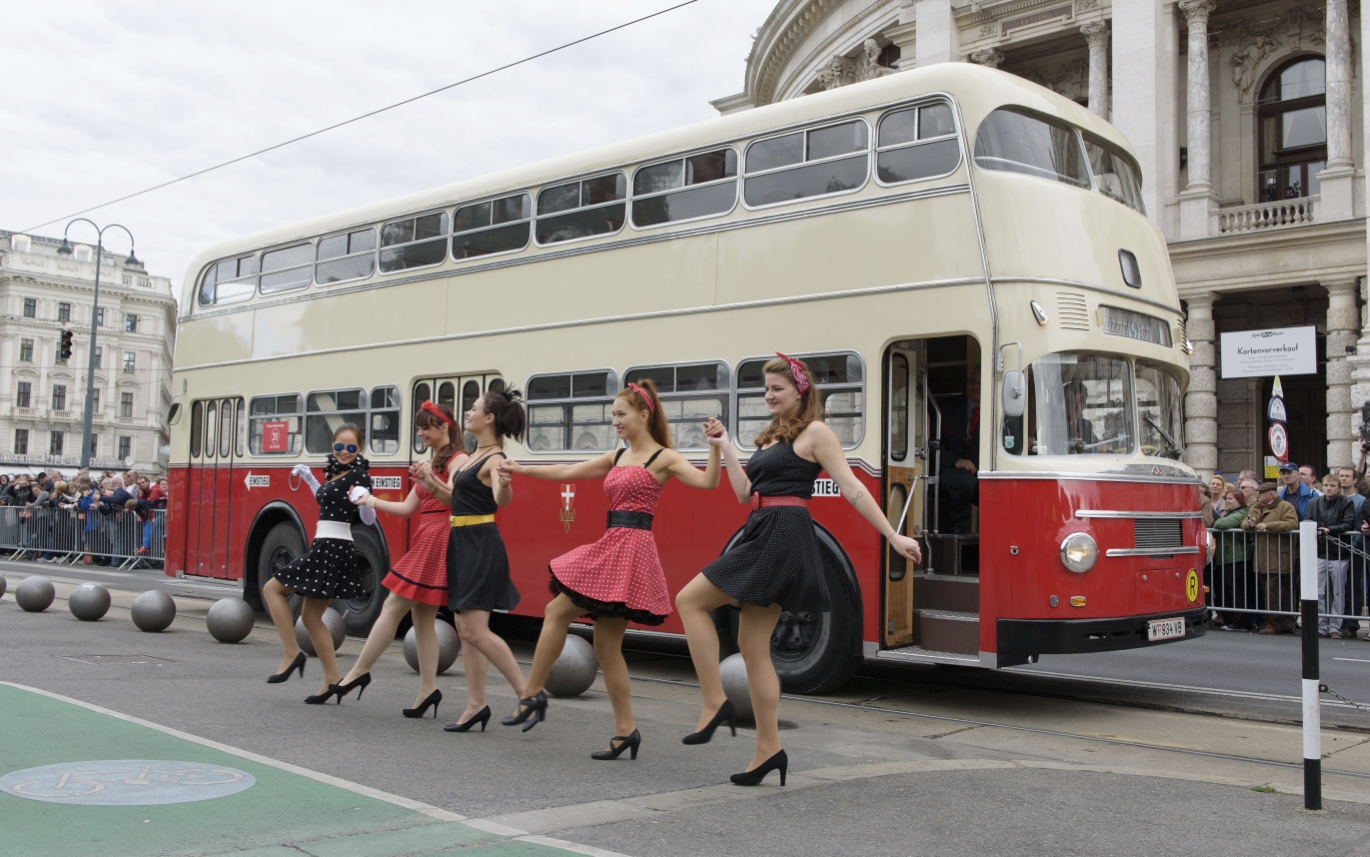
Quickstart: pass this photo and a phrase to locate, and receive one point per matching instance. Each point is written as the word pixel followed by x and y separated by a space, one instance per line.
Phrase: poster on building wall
pixel 1262 353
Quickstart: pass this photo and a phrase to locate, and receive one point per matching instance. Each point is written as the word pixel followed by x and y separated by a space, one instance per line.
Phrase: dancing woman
pixel 418 583
pixel 328 569
pixel 775 564
pixel 617 579
pixel 477 565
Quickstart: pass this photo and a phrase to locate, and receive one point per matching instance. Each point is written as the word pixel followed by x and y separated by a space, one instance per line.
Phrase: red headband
pixel 437 412
pixel 801 380
pixel 643 393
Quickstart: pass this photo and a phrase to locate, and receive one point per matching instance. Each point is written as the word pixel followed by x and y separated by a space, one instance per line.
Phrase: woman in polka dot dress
pixel 418 582
pixel 328 569
pixel 775 564
pixel 617 579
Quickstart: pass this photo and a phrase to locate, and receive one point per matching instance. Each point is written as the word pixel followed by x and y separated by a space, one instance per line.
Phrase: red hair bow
pixel 437 412
pixel 646 398
pixel 801 380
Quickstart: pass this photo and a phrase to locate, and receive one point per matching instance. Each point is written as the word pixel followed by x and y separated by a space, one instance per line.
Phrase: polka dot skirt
pixel 331 567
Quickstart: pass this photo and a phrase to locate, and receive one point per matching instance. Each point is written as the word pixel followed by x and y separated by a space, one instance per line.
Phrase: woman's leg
pixel 609 649
pixel 322 640
pixel 382 634
pixel 426 641
pixel 275 595
pixel 474 628
pixel 474 665
pixel 694 603
pixel 560 613
pixel 754 631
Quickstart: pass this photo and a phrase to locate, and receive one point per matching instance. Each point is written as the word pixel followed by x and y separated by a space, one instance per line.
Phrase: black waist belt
pixel 435 512
pixel 631 520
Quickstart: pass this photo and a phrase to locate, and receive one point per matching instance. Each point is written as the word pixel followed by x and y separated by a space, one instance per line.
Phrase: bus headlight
pixel 1078 552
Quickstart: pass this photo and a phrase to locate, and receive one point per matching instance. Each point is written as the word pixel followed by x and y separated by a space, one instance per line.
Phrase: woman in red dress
pixel 617 579
pixel 418 583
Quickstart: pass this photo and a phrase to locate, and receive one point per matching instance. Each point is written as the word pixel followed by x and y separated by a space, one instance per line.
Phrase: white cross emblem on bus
pixel 568 512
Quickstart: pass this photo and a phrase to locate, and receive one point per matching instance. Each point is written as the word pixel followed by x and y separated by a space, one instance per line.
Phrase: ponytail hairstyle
pixel 810 408
pixel 642 396
pixel 443 456
pixel 507 408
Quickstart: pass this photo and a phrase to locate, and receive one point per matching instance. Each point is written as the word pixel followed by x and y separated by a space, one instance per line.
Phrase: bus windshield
pixel 1079 403
pixel 1161 425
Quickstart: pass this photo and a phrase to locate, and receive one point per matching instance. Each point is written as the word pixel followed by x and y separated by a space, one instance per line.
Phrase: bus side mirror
pixel 1014 399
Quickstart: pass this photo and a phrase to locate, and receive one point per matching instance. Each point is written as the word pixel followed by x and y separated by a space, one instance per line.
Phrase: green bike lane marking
pixel 289 810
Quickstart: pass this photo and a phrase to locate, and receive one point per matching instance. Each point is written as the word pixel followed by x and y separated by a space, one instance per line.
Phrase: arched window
pixel 1292 123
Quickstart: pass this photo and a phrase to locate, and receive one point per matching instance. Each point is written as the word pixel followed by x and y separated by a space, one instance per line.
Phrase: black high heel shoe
pixel 630 742
pixel 779 762
pixel 360 682
pixel 533 710
pixel 482 717
pixel 297 664
pixel 431 699
pixel 703 736
pixel 322 698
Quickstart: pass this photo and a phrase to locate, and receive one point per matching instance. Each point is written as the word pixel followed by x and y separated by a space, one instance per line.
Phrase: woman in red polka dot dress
pixel 617 579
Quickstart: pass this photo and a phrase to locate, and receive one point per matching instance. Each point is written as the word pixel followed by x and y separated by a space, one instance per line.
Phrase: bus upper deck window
pixel 821 162
pixel 229 281
pixel 415 242
pixel 1010 141
pixel 917 143
pixel 349 256
pixel 495 226
pixel 685 189
pixel 287 269
pixel 582 209
pixel 1114 173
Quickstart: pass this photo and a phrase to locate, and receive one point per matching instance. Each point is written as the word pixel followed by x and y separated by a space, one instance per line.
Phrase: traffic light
pixel 66 345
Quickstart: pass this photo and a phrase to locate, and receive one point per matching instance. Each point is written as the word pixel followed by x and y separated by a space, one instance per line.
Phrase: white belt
pixel 333 530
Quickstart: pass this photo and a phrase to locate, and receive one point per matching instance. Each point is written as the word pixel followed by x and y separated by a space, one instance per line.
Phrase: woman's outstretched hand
pixel 907 548
pixel 716 432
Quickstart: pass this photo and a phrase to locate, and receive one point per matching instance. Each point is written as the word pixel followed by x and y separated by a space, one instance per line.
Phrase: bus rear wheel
pixel 812 652
pixel 282 546
pixel 360 613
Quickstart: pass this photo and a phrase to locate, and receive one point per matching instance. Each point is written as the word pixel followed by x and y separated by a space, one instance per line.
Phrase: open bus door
pixel 904 468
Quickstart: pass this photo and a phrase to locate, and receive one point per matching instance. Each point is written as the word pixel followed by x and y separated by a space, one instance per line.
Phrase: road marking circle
pixel 126 782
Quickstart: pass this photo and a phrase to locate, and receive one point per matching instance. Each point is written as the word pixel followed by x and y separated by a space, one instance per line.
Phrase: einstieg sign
pixel 1262 353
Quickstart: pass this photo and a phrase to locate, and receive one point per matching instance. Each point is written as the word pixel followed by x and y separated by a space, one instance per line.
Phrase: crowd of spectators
pixel 101 518
pixel 1253 570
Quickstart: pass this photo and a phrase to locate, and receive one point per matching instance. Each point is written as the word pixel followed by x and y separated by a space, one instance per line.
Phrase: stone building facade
pixel 1247 119
pixel 42 398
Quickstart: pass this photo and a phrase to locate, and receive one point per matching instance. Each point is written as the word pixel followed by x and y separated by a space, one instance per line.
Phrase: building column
pixel 1198 198
pixel 1343 329
pixel 1144 66
pixel 938 38
pixel 1336 181
pixel 1201 399
pixel 1096 34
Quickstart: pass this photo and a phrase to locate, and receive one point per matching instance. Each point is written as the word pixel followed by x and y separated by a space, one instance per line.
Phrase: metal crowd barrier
pixel 1253 578
pixel 71 536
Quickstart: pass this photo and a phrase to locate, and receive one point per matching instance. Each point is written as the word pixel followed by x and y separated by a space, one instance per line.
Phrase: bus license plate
pixel 1164 629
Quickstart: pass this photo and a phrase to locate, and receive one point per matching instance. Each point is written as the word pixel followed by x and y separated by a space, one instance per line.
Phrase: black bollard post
pixel 1312 711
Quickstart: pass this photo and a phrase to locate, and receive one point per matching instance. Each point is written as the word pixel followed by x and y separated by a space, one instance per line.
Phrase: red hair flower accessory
pixel 801 380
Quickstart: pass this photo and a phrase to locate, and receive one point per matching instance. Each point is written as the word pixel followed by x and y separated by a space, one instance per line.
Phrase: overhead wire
pixel 362 116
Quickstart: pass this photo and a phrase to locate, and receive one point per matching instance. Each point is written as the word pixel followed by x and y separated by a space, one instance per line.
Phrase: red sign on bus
pixel 276 436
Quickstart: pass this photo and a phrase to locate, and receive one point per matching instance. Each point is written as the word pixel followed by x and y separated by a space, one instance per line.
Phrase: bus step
pixel 949 631
pixel 927 656
pixel 959 593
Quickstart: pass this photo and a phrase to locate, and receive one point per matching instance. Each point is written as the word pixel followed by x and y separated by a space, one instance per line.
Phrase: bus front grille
pixel 1158 534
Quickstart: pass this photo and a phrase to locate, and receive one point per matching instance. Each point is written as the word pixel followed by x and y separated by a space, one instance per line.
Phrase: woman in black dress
pixel 328 569
pixel 477 567
pixel 776 564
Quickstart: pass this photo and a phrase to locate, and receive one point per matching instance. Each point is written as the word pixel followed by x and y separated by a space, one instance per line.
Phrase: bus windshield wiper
pixel 1163 433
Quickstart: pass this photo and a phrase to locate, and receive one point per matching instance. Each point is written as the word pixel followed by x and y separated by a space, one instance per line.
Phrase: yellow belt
pixel 470 520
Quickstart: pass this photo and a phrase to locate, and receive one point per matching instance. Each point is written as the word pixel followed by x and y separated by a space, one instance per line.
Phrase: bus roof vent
pixel 1072 310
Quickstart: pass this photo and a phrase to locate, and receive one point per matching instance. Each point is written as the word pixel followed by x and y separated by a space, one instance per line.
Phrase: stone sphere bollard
pixel 575 669
pixel 35 594
pixel 230 620
pixel 449 645
pixel 333 621
pixel 733 671
pixel 3 585
pixel 88 602
pixel 153 611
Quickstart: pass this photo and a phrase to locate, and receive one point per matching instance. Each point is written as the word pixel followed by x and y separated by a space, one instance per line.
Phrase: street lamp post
pixel 132 260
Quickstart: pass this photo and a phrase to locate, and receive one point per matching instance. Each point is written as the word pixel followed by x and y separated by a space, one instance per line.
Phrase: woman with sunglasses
pixel 328 569
pixel 776 564
pixel 619 578
pixel 418 583
pixel 477 565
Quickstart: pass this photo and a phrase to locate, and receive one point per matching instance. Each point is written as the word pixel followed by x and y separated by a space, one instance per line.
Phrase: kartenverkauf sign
pixel 1263 353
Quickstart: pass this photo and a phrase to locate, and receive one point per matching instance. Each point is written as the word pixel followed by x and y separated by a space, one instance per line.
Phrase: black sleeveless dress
pixel 776 560
pixel 329 569
pixel 477 565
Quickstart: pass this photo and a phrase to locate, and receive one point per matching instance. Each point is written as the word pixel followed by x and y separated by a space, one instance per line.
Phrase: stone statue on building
pixel 1245 61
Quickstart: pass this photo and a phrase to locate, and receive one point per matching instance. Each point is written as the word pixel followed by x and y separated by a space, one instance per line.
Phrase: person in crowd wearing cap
pixel 959 479
pixel 1274 553
pixel 1295 490
pixel 1335 516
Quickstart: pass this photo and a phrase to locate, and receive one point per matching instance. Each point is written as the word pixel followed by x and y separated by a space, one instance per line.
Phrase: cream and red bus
pixel 906 236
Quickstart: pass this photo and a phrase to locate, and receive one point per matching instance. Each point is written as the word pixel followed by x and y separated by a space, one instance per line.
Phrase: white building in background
pixel 1247 118
pixel 42 398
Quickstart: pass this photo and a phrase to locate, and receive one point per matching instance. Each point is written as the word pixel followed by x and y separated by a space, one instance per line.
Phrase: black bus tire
pixel 283 545
pixel 360 613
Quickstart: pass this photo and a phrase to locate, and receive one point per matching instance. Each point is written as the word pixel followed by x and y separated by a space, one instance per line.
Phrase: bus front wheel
pixel 360 613
pixel 282 546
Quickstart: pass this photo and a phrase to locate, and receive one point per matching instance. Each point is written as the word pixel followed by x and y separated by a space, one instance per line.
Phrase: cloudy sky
pixel 106 98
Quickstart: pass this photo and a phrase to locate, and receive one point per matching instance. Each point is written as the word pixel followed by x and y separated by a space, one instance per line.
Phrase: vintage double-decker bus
pixel 914 238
